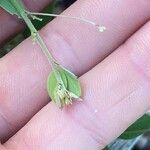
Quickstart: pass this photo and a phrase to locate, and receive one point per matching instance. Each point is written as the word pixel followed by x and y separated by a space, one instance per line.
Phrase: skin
pixel 113 67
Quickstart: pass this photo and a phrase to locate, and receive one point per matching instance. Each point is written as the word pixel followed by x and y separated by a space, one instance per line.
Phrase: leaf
pixel 141 126
pixel 73 84
pixel 8 6
pixel 63 88
pixel 52 84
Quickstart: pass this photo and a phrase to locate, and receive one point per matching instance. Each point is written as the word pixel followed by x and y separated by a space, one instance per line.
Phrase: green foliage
pixel 9 7
pixel 106 148
pixel 141 126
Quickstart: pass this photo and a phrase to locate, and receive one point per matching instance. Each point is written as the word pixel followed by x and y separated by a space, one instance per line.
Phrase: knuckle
pixel 88 120
pixel 61 48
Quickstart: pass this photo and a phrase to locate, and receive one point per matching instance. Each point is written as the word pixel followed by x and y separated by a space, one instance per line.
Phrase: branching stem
pixel 100 28
pixel 34 33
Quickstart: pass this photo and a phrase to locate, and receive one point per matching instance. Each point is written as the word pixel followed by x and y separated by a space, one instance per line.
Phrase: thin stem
pixel 36 18
pixel 43 46
pixel 62 16
pixel 39 40
pixel 101 28
pixel 34 33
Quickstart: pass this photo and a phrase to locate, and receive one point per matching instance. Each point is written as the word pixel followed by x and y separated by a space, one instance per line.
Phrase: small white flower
pixel 101 28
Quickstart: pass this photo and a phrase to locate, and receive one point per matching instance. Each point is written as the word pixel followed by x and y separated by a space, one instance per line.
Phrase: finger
pixel 88 42
pixel 9 25
pixel 116 93
pixel 2 148
pixel 24 71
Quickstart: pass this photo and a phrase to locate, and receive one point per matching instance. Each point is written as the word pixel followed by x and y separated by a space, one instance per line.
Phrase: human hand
pixel 115 89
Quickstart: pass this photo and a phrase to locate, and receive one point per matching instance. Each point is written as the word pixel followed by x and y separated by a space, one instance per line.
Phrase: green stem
pixel 19 6
pixel 64 16
pixel 100 28
pixel 36 36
